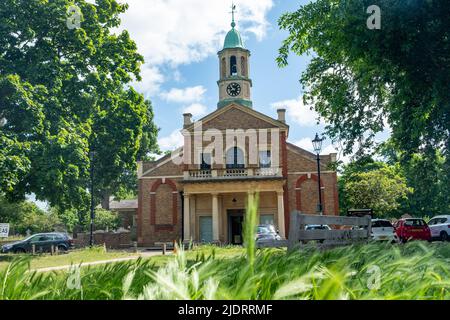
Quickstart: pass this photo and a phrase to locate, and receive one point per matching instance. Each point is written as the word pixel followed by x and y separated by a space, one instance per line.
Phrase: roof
pixel 233 40
pixel 252 112
pixel 123 205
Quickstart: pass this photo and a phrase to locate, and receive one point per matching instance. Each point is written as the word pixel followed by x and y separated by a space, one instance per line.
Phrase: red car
pixel 412 229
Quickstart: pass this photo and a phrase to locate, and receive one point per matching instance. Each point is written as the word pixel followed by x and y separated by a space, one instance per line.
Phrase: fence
pixel 298 235
pixel 112 240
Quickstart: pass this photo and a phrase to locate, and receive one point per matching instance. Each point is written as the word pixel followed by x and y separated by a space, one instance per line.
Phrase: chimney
pixel 333 157
pixel 187 120
pixel 282 115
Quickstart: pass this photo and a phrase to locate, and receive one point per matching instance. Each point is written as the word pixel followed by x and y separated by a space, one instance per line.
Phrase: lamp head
pixel 317 143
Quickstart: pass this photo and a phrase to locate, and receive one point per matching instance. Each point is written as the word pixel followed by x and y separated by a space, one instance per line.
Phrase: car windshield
pixel 262 230
pixel 381 224
pixel 414 223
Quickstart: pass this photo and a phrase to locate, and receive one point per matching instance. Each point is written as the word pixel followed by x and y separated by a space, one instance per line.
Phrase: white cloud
pixel 297 111
pixel 196 109
pixel 152 78
pixel 172 141
pixel 170 33
pixel 187 95
pixel 184 31
pixel 305 143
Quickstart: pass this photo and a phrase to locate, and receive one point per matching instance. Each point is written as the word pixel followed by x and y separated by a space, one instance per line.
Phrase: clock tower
pixel 234 84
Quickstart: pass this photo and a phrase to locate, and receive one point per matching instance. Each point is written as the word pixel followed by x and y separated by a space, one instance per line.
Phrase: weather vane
pixel 233 10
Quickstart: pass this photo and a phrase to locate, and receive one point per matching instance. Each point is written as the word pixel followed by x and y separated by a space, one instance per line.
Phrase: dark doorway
pixel 235 222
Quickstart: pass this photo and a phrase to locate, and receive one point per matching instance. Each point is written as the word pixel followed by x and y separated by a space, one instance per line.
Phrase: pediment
pixel 235 116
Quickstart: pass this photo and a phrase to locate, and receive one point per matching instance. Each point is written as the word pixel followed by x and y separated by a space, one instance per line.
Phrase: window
pixel 235 158
pixel 381 224
pixel 223 68
pixel 233 66
pixel 206 161
pixel 265 160
pixel 244 67
pixel 266 219
pixel 414 223
pixel 433 222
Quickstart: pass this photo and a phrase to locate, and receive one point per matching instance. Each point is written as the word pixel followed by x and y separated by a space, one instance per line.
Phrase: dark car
pixel 43 242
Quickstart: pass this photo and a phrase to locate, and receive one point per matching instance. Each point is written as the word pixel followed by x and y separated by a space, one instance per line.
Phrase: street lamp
pixel 317 144
pixel 91 233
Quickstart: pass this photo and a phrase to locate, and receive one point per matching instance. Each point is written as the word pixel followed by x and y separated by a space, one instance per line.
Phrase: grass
pixel 73 257
pixel 416 270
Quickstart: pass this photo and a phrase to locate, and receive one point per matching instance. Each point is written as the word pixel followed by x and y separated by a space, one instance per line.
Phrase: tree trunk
pixel 105 199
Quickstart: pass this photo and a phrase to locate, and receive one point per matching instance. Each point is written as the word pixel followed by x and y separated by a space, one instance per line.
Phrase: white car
pixel 440 227
pixel 383 230
pixel 317 227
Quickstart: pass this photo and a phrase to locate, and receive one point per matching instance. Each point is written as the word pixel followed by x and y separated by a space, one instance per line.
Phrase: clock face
pixel 234 89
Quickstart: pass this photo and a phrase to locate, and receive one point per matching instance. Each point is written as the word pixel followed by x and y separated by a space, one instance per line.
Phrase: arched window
pixel 233 66
pixel 235 158
pixel 244 67
pixel 223 70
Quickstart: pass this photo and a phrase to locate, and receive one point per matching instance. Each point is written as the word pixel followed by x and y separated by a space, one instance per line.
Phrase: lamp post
pixel 317 144
pixel 91 229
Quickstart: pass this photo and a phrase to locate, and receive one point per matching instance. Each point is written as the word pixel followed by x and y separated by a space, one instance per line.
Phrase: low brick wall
pixel 112 240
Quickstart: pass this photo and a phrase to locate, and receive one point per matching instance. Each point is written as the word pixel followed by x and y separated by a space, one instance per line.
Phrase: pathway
pixel 86 264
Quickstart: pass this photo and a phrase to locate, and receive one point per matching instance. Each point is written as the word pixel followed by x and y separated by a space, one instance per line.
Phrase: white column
pixel 187 218
pixel 281 226
pixel 215 216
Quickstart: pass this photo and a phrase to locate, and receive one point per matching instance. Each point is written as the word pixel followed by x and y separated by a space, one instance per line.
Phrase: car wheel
pixel 62 248
pixel 444 236
pixel 19 250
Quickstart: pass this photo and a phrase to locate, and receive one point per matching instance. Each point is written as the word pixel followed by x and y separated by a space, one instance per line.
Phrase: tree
pixel 425 173
pixel 26 216
pixel 359 77
pixel 376 186
pixel 65 92
pixel 106 220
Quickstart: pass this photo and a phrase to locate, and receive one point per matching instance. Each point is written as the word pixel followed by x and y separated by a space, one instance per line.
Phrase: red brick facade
pixel 162 184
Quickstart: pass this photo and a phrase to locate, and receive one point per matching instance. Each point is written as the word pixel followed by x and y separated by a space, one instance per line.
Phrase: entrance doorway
pixel 235 222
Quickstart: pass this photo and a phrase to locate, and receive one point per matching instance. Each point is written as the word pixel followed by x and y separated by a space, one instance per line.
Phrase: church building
pixel 199 192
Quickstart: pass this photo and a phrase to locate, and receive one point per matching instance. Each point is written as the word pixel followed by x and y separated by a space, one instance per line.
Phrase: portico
pixel 213 212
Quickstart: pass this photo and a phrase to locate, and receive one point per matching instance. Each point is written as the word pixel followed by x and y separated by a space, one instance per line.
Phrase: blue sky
pixel 180 40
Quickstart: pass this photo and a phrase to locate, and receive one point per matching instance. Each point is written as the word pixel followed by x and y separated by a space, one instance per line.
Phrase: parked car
pixel 42 242
pixel 266 233
pixel 412 229
pixel 440 227
pixel 383 230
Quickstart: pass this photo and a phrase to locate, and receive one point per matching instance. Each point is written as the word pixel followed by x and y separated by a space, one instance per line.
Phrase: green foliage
pixel 413 271
pixel 359 77
pixel 250 224
pixel 425 174
pixel 106 220
pixel 25 215
pixel 367 184
pixel 65 92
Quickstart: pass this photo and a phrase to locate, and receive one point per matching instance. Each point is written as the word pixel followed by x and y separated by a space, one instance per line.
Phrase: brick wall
pixel 111 240
pixel 160 213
